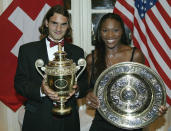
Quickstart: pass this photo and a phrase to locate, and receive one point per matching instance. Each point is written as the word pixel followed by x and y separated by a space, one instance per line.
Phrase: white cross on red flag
pixel 149 21
pixel 19 24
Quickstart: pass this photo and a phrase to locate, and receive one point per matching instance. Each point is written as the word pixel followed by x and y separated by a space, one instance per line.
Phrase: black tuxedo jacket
pixel 38 116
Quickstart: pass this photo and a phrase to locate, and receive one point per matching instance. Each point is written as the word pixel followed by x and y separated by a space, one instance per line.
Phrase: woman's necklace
pixel 111 56
pixel 109 62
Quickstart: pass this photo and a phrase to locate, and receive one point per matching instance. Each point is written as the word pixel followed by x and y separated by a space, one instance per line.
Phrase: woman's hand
pixel 92 100
pixel 162 110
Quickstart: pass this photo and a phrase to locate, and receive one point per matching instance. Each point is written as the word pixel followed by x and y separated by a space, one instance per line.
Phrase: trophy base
pixel 61 111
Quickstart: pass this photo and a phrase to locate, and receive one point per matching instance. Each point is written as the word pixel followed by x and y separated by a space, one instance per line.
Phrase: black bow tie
pixel 53 43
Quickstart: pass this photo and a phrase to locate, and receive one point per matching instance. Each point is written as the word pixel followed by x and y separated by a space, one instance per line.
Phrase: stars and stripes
pixel 149 21
pixel 143 6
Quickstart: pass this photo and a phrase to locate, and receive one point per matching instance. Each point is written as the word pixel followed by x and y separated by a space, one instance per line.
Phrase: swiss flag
pixel 18 25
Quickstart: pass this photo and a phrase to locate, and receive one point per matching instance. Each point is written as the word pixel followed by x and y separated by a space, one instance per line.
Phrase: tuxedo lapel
pixel 68 51
pixel 43 51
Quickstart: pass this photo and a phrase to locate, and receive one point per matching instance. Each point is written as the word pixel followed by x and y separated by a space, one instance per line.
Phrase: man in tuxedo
pixel 30 84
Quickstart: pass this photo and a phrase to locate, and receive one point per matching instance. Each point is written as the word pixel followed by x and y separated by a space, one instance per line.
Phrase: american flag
pixel 149 21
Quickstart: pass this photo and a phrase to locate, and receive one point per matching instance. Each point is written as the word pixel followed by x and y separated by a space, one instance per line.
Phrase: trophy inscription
pixel 60 76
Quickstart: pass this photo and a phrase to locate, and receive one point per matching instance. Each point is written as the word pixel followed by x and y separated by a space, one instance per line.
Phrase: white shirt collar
pixel 52 50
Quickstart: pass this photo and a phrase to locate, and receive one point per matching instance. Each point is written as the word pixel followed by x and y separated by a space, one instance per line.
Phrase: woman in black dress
pixel 111 47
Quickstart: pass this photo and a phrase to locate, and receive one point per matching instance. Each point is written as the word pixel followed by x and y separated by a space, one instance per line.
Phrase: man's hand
pixel 49 92
pixel 54 95
pixel 75 87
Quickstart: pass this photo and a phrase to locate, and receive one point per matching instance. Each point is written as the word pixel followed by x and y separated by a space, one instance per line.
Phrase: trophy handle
pixel 81 62
pixel 40 63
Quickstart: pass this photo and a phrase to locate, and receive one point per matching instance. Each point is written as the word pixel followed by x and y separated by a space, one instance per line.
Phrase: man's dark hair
pixel 60 10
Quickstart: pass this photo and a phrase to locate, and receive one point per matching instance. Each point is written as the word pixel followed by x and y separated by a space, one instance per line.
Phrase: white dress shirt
pixel 52 50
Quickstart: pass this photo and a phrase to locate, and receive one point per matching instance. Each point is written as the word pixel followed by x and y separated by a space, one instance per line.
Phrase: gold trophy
pixel 60 75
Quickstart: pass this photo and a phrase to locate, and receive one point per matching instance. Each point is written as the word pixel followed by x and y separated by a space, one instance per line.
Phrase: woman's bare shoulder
pixel 89 57
pixel 138 56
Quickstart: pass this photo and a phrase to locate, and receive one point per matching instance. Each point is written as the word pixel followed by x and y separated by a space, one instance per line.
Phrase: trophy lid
pixel 60 58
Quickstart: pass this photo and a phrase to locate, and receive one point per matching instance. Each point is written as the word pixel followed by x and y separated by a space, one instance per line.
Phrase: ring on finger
pixel 89 102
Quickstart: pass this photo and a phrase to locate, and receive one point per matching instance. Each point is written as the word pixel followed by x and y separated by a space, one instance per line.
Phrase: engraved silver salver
pixel 130 95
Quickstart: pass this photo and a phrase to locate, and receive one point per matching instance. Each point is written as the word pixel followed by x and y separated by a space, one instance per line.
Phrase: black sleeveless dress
pixel 99 123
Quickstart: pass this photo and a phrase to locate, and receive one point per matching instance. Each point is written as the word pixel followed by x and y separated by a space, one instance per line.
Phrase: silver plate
pixel 130 95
